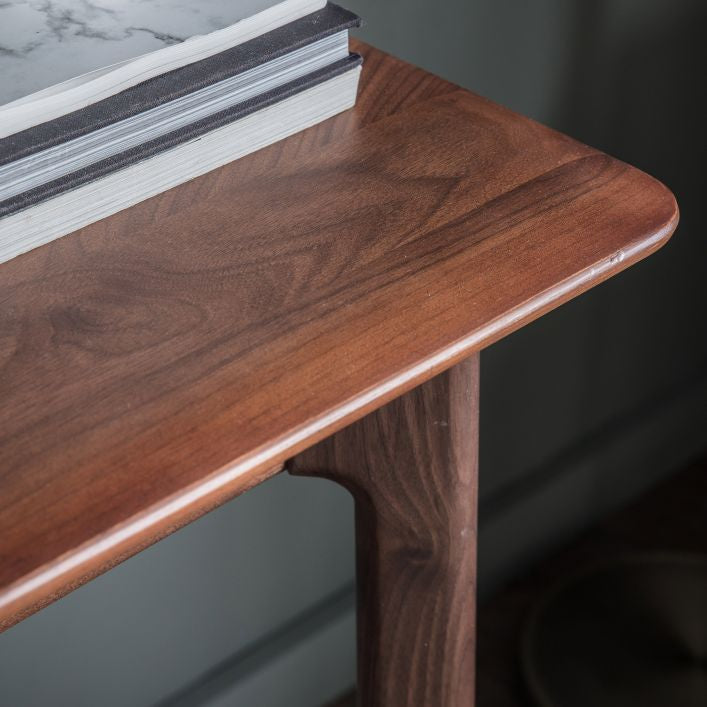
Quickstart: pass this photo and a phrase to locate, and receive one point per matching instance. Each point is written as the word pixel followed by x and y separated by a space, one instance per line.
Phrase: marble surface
pixel 44 42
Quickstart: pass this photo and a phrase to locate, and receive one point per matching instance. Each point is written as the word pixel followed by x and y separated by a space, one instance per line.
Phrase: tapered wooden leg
pixel 412 468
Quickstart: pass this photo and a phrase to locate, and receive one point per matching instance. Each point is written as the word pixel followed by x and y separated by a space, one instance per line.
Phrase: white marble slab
pixel 44 42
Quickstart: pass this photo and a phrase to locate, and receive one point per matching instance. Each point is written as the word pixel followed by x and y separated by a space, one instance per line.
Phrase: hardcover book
pixel 82 138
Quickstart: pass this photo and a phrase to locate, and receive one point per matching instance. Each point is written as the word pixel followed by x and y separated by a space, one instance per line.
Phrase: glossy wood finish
pixel 161 361
pixel 412 468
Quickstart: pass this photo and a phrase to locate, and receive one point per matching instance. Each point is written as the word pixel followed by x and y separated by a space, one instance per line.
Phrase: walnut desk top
pixel 164 360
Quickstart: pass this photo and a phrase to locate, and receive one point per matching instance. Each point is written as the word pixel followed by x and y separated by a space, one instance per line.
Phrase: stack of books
pixel 94 117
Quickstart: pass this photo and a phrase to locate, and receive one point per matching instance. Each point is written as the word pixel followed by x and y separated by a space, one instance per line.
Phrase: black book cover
pixel 170 86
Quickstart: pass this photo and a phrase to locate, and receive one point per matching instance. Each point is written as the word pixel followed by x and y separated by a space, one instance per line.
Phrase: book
pixel 75 149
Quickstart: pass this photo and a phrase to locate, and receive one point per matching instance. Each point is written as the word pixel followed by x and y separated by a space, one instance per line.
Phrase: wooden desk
pixel 321 303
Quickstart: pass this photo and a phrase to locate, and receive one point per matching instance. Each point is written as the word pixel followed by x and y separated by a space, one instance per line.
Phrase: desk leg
pixel 412 469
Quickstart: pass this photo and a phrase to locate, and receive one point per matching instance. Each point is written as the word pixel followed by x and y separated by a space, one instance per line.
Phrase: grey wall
pixel 252 605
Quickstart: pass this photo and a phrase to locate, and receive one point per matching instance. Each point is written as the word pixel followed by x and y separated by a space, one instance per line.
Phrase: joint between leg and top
pixel 412 467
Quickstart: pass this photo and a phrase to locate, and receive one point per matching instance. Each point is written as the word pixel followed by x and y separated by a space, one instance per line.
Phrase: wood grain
pixel 412 467
pixel 165 359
